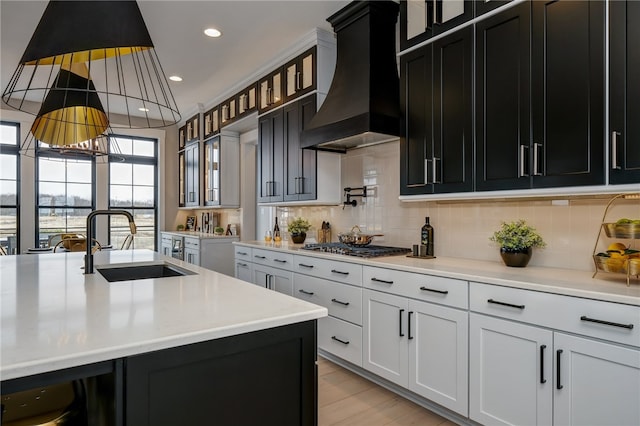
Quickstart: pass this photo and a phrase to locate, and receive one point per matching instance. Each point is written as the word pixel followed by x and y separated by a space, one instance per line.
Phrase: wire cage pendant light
pixel 122 84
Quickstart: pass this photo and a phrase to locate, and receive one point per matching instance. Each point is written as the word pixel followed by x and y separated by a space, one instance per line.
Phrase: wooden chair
pixel 77 244
pixel 3 251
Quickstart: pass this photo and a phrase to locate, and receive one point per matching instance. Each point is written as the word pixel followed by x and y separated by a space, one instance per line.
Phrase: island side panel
pixel 267 377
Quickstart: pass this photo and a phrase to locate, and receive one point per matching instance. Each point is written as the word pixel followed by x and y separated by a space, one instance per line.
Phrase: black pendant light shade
pixel 126 81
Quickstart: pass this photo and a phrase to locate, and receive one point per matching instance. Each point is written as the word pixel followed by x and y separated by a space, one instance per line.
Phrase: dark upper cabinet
pixel 247 100
pixel 211 123
pixel 270 157
pixel 567 93
pixel 190 169
pixel 300 75
pixel 270 91
pixel 624 86
pixel 423 19
pixel 503 100
pixel 437 142
pixel 192 132
pixel 300 164
pixel 182 137
pixel 228 111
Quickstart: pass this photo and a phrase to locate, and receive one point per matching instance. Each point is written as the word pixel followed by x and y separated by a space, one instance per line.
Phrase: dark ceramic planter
pixel 298 237
pixel 518 258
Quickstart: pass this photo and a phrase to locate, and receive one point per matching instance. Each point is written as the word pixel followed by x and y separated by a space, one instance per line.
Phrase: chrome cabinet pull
pixel 340 302
pixel 614 150
pixel 298 80
pixel 523 163
pixel 511 305
pixel 613 324
pixel 435 171
pixel 536 159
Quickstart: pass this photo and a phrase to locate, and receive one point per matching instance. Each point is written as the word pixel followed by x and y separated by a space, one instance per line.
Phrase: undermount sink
pixel 141 272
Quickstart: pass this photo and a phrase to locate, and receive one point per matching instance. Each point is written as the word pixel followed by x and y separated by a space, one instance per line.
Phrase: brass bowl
pixel 618 265
pixel 623 230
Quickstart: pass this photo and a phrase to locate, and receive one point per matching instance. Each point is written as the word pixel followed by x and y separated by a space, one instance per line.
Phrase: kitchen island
pixel 185 348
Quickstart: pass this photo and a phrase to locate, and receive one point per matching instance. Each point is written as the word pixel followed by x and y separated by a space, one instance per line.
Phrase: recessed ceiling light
pixel 175 78
pixel 212 32
pixel 143 109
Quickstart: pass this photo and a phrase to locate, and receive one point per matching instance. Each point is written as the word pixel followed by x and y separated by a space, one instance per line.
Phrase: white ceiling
pixel 254 32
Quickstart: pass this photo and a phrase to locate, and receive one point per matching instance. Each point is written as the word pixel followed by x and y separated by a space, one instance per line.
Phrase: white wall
pixel 462 229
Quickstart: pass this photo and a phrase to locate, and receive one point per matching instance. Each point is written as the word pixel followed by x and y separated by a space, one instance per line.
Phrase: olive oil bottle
pixel 426 237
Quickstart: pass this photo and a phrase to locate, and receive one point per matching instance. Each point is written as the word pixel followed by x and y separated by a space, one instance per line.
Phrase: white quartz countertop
pixel 53 316
pixel 604 286
pixel 202 235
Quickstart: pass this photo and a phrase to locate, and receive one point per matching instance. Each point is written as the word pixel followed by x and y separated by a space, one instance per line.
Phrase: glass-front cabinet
pixel 211 122
pixel 270 91
pixel 423 19
pixel 181 196
pixel 300 75
pixel 212 172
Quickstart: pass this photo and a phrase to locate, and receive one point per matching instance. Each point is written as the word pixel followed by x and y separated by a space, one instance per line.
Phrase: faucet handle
pixel 132 227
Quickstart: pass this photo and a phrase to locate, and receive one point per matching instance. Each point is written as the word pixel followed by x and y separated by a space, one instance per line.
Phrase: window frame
pixel 14 150
pixel 140 160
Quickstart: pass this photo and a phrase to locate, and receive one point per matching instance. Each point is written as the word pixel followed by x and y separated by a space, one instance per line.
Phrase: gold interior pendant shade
pixel 72 112
pixel 112 40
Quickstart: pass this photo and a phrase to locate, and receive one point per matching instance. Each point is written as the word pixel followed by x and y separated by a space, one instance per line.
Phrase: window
pixel 9 182
pixel 65 194
pixel 133 187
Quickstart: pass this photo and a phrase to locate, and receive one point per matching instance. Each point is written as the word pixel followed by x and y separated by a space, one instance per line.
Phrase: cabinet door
pixel 485 6
pixel 192 256
pixel 624 84
pixel 300 75
pixel 422 19
pixel 502 100
pixel 300 164
pixel 247 100
pixel 416 143
pixel 452 112
pixel 212 172
pixel 192 174
pixel 385 348
pixel 273 279
pixel 244 271
pixel 182 135
pixel 270 157
pixel 270 91
pixel 438 354
pixel 510 372
pixel 567 93
pixel 600 383
pixel 181 179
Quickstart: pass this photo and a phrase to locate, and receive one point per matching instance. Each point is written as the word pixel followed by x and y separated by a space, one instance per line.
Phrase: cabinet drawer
pixel 243 253
pixel 277 259
pixel 341 338
pixel 343 301
pixel 604 320
pixel 445 291
pixel 166 239
pixel 349 273
pixel 193 243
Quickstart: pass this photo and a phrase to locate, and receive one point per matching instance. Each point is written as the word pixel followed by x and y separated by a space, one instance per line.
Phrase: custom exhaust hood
pixel 362 106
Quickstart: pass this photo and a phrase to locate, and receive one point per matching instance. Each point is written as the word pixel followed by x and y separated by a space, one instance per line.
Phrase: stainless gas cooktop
pixel 366 251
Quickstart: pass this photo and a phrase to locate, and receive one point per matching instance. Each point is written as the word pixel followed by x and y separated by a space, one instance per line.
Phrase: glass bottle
pixel 426 237
pixel 276 231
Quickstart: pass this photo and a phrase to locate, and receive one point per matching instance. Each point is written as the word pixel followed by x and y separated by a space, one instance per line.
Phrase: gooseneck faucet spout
pixel 88 258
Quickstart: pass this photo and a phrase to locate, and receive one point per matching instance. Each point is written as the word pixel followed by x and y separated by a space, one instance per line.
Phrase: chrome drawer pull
pixel 614 324
pixel 309 293
pixel 340 302
pixel 339 272
pixel 305 266
pixel 381 281
pixel 434 290
pixel 259 257
pixel 344 342
pixel 511 305
pixel 279 261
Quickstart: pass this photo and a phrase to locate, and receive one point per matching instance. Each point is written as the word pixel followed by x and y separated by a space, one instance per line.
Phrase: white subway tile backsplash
pixel 462 229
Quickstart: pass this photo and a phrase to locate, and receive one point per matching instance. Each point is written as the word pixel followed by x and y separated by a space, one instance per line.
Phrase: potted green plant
pixel 298 228
pixel 218 230
pixel 517 240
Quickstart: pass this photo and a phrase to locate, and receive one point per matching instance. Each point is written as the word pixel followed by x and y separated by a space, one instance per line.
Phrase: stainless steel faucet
pixel 88 258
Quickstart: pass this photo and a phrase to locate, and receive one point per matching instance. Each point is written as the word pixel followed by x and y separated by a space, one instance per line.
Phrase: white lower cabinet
pixel 417 345
pixel 596 383
pixel 244 271
pixel 341 338
pixel 510 372
pixel 273 279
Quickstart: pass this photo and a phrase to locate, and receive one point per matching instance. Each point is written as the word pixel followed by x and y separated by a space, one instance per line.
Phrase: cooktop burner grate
pixel 366 251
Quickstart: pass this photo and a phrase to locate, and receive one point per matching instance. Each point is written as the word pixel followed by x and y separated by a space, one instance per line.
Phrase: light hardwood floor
pixel 344 398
